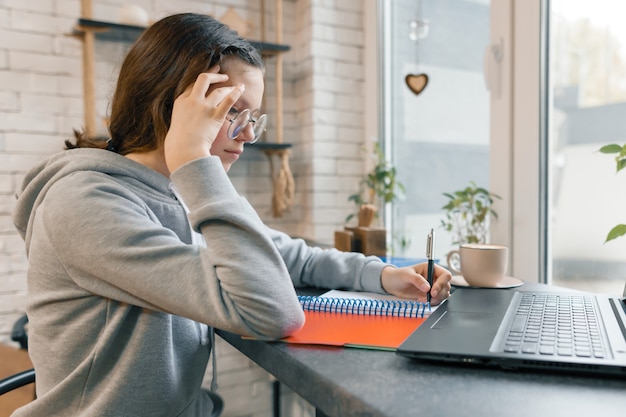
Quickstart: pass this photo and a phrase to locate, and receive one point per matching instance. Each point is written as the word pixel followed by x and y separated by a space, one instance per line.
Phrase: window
pixel 437 139
pixel 561 95
pixel 563 194
pixel 587 107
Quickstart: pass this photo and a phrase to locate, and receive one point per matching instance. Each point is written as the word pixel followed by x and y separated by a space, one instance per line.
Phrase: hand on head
pixel 197 117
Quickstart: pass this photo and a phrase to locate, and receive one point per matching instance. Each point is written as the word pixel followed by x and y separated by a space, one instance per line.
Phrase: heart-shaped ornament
pixel 416 82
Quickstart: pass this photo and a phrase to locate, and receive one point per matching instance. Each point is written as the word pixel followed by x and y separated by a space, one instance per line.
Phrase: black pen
pixel 430 249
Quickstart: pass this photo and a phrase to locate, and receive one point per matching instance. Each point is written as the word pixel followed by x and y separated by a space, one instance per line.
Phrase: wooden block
pixel 356 242
pixel 344 240
pixel 14 360
pixel 371 240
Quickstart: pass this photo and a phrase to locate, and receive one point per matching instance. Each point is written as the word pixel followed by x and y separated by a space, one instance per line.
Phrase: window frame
pixel 518 137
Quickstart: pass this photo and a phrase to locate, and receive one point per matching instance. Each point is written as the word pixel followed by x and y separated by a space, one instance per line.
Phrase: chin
pixel 227 165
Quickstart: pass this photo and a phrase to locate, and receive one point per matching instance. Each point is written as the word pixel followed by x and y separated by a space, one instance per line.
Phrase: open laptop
pixel 540 330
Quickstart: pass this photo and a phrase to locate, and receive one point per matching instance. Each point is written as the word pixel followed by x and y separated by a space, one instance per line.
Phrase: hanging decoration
pixel 418 30
pixel 282 180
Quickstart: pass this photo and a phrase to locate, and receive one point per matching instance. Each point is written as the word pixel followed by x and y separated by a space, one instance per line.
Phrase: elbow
pixel 294 324
pixel 280 325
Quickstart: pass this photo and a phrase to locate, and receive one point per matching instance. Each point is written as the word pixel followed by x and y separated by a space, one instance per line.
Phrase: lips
pixel 233 154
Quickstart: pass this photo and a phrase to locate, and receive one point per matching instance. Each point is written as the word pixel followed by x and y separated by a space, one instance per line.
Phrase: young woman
pixel 140 246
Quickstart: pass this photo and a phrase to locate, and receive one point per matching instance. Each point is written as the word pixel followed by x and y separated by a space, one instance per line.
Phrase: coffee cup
pixel 481 264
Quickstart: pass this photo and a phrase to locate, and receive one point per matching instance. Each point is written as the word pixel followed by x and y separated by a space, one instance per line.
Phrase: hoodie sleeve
pixel 112 245
pixel 328 268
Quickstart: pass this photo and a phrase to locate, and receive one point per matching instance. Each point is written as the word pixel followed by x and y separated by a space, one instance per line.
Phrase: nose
pixel 247 133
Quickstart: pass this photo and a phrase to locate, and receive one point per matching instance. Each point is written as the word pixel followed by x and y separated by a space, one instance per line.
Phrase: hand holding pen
pixel 415 281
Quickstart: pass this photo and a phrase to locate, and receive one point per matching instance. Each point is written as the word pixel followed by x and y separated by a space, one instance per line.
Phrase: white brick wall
pixel 41 101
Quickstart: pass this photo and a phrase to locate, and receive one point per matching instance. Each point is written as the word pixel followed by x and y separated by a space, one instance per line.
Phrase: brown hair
pixel 163 62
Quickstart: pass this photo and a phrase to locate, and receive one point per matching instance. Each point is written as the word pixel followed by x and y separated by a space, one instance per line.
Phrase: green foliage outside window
pixel 620 163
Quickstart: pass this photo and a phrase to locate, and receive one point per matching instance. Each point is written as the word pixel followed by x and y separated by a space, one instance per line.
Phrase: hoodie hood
pixel 44 175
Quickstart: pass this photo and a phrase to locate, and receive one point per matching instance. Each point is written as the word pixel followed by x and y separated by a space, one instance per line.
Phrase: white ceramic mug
pixel 482 265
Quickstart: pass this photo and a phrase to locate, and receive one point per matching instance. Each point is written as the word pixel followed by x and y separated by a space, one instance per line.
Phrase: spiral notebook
pixel 359 319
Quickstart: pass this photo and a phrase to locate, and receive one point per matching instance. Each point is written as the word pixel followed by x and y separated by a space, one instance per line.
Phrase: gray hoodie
pixel 120 296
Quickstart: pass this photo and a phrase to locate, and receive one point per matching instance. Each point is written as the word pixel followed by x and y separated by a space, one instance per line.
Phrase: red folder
pixel 354 330
pixel 371 331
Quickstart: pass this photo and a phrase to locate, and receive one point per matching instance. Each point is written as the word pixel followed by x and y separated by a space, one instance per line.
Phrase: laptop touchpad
pixel 461 319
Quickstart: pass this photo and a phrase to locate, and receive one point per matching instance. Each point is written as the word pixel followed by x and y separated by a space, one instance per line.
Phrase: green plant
pixel 379 186
pixel 468 213
pixel 620 163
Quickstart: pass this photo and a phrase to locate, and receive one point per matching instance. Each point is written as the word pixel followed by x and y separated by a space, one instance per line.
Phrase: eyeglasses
pixel 239 122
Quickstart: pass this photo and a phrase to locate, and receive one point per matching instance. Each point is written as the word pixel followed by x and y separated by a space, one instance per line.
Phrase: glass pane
pixel 439 139
pixel 588 109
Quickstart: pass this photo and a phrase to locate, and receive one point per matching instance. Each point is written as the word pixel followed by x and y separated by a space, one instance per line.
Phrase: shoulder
pixel 88 184
pixel 90 192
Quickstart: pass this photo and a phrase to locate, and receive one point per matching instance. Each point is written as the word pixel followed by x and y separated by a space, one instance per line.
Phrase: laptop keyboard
pixel 554 325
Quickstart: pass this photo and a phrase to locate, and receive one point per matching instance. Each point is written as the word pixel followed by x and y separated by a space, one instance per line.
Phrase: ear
pixel 416 82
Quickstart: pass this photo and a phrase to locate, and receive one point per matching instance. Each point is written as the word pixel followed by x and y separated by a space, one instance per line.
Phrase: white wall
pixel 41 102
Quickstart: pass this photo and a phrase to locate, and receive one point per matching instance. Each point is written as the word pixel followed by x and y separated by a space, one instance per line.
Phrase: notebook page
pixel 360 295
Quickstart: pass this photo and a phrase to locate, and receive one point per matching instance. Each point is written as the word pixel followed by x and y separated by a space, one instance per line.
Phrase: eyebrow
pixel 241 108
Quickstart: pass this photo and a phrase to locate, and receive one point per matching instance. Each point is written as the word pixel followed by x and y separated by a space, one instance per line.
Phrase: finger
pixel 441 290
pixel 414 278
pixel 422 283
pixel 434 292
pixel 442 295
pixel 441 281
pixel 204 81
pixel 224 98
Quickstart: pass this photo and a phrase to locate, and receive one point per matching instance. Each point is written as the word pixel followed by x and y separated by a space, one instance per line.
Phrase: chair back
pixel 15 372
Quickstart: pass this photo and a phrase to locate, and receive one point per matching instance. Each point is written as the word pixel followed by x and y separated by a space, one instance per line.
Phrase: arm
pixel 113 246
pixel 330 268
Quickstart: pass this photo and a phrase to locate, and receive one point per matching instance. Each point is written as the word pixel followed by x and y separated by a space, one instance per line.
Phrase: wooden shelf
pixel 109 31
pixel 269 49
pixel 117 32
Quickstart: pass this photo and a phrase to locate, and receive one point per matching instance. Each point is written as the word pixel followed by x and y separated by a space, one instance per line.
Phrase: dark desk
pixel 357 382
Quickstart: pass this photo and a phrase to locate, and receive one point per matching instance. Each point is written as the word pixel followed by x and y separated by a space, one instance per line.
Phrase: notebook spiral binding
pixel 391 308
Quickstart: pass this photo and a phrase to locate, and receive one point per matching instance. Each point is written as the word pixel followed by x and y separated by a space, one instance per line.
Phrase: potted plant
pixel 620 163
pixel 378 187
pixel 468 213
